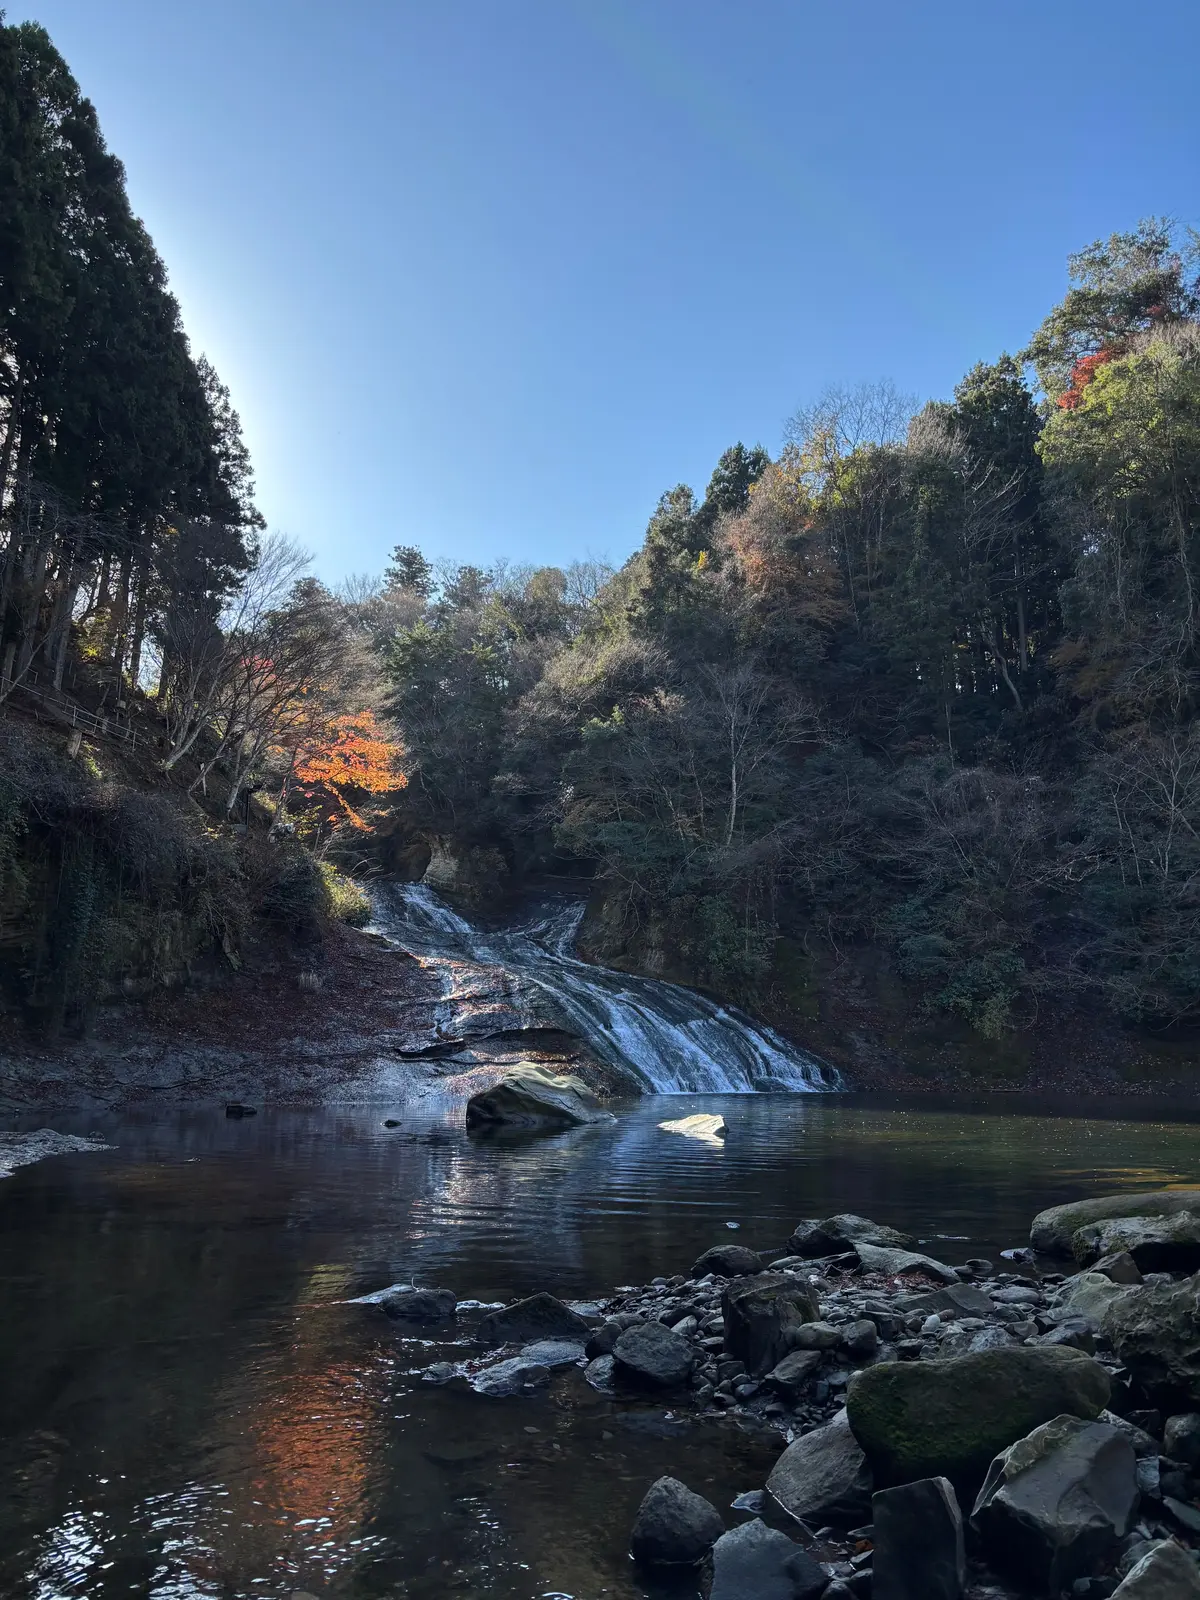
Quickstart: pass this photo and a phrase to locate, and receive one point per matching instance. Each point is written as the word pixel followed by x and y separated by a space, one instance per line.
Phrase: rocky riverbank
pixel 983 1429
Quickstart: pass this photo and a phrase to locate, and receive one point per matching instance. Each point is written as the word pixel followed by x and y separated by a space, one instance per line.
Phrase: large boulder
pixel 918 1538
pixel 755 1562
pixel 539 1317
pixel 528 1096
pixel 901 1263
pixel 761 1313
pixel 835 1235
pixel 1165 1572
pixel 1156 1244
pixel 1057 1504
pixel 821 1477
pixel 1086 1298
pixel 728 1261
pixel 673 1526
pixel 929 1419
pixel 1053 1228
pixel 1155 1330
pixel 650 1356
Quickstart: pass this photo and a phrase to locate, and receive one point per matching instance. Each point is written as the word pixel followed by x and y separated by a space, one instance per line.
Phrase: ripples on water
pixel 188 1408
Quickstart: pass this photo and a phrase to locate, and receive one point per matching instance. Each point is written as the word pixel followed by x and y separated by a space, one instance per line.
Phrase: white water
pixel 670 1040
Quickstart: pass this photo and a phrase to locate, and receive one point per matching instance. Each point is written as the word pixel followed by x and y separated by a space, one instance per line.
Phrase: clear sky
pixel 488 276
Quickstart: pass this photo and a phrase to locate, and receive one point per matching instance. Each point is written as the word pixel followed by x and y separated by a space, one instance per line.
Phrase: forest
pixel 925 681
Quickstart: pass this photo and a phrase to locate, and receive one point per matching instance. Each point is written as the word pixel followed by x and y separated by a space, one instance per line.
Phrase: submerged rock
pixel 541 1316
pixel 529 1096
pixel 1057 1504
pixel 755 1562
pixel 674 1527
pixel 918 1539
pixel 835 1235
pixel 1053 1229
pixel 1153 1329
pixel 822 1477
pixel 761 1314
pixel 927 1419
pixel 652 1356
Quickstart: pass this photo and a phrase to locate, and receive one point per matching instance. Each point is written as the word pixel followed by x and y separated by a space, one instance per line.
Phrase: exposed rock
pixel 755 1562
pixel 761 1313
pixel 949 1418
pixel 918 1539
pixel 1144 1444
pixel 793 1372
pixel 539 1317
pixel 960 1299
pixel 22 1149
pixel 601 1340
pixel 1185 1514
pixel 860 1338
pixel 1181 1438
pixel 1056 1504
pixel 991 1339
pixel 1120 1267
pixel 674 1527
pixel 1052 1229
pixel 1086 1298
pixel 1164 1572
pixel 1155 1244
pixel 822 1477
pixel 835 1235
pixel 651 1356
pixel 514 1376
pixel 553 1352
pixel 420 1305
pixel 1153 1329
pixel 528 1096
pixel 600 1374
pixel 728 1261
pixel 816 1336
pixel 706 1127
pixel 893 1263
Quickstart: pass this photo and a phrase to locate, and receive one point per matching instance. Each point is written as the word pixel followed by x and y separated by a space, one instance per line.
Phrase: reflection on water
pixel 189 1408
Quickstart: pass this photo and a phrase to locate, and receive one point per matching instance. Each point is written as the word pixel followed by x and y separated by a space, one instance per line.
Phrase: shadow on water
pixel 189 1408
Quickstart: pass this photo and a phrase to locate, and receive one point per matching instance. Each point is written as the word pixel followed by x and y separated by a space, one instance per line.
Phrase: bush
pixel 348 901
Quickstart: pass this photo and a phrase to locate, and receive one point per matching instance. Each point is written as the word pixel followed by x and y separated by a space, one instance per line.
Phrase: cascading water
pixel 670 1040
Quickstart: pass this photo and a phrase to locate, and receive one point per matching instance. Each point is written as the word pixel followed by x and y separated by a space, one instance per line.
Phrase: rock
pixel 601 1340
pixel 673 1526
pixel 553 1352
pixel 1155 1244
pixel 706 1127
pixel 816 1336
pixel 1144 1444
pixel 1164 1572
pixel 728 1261
pixel 918 1539
pixel 822 1477
pixel 761 1313
pixel 1052 1229
pixel 391 1122
pixel 1152 1328
pixel 529 1096
pixel 894 1263
pixel 1120 1267
pixel 991 1339
pixel 651 1356
pixel 236 1109
pixel 927 1419
pixel 514 1376
pixel 960 1299
pixel 1017 1295
pixel 420 1305
pixel 599 1373
pixel 755 1562
pixel 793 1372
pixel 1181 1438
pixel 1087 1297
pixel 838 1234
pixel 1056 1505
pixel 1075 1332
pixel 860 1338
pixel 1186 1515
pixel 539 1317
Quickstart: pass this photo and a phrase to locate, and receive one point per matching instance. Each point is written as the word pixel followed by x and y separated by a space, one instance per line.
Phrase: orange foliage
pixel 350 753
pixel 1082 374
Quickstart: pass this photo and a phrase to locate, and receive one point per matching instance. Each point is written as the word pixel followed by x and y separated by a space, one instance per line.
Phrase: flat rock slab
pixel 960 1299
pixel 1053 1228
pixel 755 1562
pixel 23 1149
pixel 541 1316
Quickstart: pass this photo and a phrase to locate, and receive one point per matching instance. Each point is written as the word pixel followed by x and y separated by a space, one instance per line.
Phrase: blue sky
pixel 488 276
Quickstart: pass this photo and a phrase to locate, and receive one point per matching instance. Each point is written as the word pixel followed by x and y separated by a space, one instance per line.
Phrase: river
pixel 190 1410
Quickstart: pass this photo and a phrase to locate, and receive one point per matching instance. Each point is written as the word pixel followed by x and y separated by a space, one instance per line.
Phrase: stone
pixel 514 1376
pixel 1164 1572
pixel 420 1305
pixel 1075 1332
pixel 1153 1329
pixel 1087 1297
pixel 1057 1504
pixel 960 1299
pixel 761 1313
pixel 703 1125
pixel 1144 1444
pixel 1181 1438
pixel 1053 1228
pixel 894 1263
pixel 821 1477
pixel 918 1539
pixel 553 1352
pixel 599 1373
pixel 1120 1267
pixel 728 1261
pixel 528 1096
pixel 755 1562
pixel 601 1340
pixel 928 1419
pixel 838 1234
pixel 1154 1244
pixel 860 1338
pixel 651 1356
pixel 793 1372
pixel 1185 1514
pixel 673 1526
pixel 1017 1295
pixel 816 1336
pixel 991 1339
pixel 539 1317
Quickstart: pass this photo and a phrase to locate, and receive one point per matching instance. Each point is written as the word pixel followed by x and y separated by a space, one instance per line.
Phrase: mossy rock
pixel 1053 1228
pixel 928 1419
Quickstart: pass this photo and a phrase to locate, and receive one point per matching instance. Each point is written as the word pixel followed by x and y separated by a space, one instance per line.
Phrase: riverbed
pixel 190 1408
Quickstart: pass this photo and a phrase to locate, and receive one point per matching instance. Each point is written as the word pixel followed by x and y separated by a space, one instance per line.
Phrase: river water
pixel 189 1408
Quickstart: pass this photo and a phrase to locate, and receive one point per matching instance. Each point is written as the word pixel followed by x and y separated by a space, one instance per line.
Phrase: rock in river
pixel 419 1305
pixel 674 1527
pixel 927 1419
pixel 1153 1328
pixel 1156 1244
pixel 530 1097
pixel 835 1235
pixel 1056 1505
pixel 918 1538
pixel 515 1376
pixel 727 1261
pixel 761 1314
pixel 1052 1229
pixel 539 1317
pixel 894 1263
pixel 755 1562
pixel 822 1477
pixel 651 1356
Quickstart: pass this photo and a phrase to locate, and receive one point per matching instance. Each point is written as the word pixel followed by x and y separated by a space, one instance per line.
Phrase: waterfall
pixel 668 1039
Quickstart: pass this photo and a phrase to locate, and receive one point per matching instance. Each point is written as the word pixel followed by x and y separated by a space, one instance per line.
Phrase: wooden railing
pixel 71 715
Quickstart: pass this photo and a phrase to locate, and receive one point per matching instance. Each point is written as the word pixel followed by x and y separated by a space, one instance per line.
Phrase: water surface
pixel 189 1409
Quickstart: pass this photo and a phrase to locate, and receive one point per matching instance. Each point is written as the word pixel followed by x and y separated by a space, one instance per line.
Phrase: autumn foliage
pixel 1082 373
pixel 349 755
